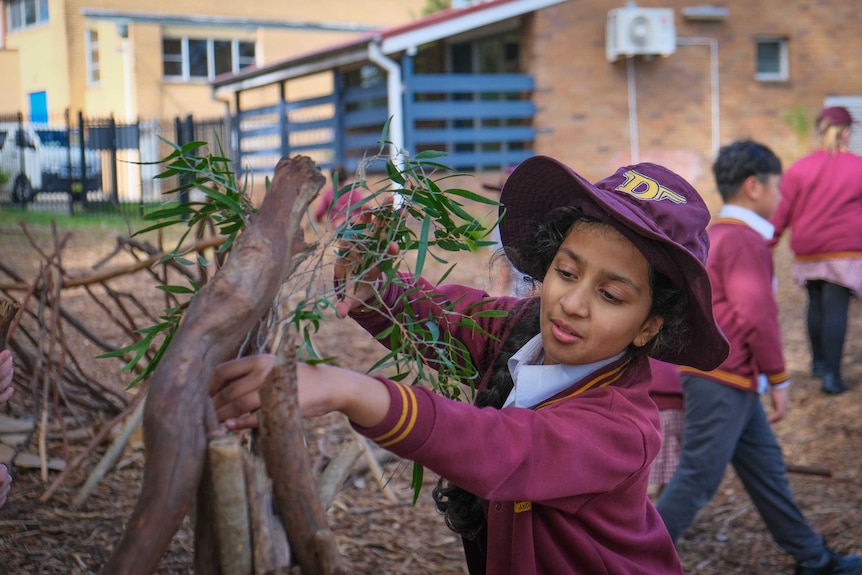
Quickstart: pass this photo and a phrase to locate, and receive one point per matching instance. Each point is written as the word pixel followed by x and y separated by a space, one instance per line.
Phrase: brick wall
pixel 583 101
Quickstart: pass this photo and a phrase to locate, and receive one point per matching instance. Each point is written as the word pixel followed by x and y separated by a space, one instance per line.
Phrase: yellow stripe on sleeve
pixel 410 424
pixel 401 420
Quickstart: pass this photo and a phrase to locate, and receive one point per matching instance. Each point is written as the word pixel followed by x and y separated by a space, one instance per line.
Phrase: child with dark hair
pixel 547 472
pixel 725 421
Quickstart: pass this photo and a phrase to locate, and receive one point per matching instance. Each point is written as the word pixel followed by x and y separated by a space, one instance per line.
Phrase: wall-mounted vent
pixel 635 31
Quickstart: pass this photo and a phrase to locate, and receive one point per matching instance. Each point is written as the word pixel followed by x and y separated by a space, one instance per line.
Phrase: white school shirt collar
pixel 534 382
pixel 754 221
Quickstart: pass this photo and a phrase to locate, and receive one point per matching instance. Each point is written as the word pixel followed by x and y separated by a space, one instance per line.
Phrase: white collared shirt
pixel 535 382
pixel 754 221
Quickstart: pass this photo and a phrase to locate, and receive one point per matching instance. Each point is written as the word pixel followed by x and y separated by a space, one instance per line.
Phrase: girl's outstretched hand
pixel 235 389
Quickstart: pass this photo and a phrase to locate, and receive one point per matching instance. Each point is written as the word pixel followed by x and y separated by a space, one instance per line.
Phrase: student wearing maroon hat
pixel 822 205
pixel 548 471
pixel 725 421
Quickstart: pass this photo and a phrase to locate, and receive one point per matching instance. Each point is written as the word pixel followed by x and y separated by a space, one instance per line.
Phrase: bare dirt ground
pixel 380 536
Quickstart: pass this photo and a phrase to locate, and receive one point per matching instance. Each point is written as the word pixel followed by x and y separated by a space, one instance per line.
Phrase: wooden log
pixel 231 506
pixel 203 513
pixel 269 541
pixel 215 324
pixel 283 448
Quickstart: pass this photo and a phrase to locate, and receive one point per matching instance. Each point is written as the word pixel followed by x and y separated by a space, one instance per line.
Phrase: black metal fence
pixel 85 165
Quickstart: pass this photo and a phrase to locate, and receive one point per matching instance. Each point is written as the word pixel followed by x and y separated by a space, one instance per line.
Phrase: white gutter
pixel 393 97
pixel 634 138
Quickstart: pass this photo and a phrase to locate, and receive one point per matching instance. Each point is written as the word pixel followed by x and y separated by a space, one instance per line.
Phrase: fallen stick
pixel 94 443
pixel 114 273
pixel 338 470
pixel 111 456
pixel 808 469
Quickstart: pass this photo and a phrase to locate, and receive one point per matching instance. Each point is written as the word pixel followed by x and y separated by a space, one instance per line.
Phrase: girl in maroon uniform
pixel 821 205
pixel 547 472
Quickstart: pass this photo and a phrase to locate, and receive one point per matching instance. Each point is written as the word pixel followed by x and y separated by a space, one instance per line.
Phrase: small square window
pixel 198 62
pixel 93 66
pixel 772 61
pixel 172 57
pixel 223 56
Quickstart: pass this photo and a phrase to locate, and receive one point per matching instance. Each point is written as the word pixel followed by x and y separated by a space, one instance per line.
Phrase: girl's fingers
pixel 252 368
pixel 239 407
pixel 247 421
pixel 6 394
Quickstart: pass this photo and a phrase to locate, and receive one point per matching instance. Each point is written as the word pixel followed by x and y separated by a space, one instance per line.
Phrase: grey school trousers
pixel 726 425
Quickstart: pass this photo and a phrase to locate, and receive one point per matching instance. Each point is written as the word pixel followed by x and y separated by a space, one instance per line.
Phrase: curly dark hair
pixel 463 510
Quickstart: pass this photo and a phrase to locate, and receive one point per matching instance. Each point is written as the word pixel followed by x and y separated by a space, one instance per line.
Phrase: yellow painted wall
pixel 52 57
pixel 43 58
pixel 10 87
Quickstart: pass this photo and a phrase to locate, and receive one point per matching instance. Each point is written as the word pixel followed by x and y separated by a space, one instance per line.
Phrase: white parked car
pixel 36 158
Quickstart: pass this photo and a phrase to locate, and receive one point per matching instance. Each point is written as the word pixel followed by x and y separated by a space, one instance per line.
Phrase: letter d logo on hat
pixel 645 188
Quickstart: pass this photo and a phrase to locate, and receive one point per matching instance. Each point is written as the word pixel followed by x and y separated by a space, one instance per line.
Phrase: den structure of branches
pixel 239 280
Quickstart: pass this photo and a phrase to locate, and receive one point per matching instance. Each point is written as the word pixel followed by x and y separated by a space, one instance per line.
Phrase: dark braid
pixel 462 509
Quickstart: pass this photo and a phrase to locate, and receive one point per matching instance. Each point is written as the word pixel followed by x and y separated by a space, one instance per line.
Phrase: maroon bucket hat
pixel 835 116
pixel 656 209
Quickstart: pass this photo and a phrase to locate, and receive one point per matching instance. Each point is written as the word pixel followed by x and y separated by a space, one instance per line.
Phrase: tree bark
pixel 283 448
pixel 215 324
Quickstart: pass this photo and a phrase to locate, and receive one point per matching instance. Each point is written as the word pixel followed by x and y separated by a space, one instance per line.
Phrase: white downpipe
pixel 393 97
pixel 714 85
pixel 715 107
pixel 634 146
pixel 133 190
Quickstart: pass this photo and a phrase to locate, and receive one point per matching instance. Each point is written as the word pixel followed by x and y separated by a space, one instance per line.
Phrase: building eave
pixel 395 40
pixel 168 19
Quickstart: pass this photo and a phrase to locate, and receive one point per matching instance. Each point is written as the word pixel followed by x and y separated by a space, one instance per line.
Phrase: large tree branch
pixel 215 324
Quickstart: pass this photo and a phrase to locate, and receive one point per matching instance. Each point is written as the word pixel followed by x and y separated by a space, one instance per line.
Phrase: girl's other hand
pixel 235 390
pixel 356 281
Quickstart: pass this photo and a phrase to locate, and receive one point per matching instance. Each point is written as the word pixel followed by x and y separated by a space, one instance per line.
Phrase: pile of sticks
pixel 53 346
